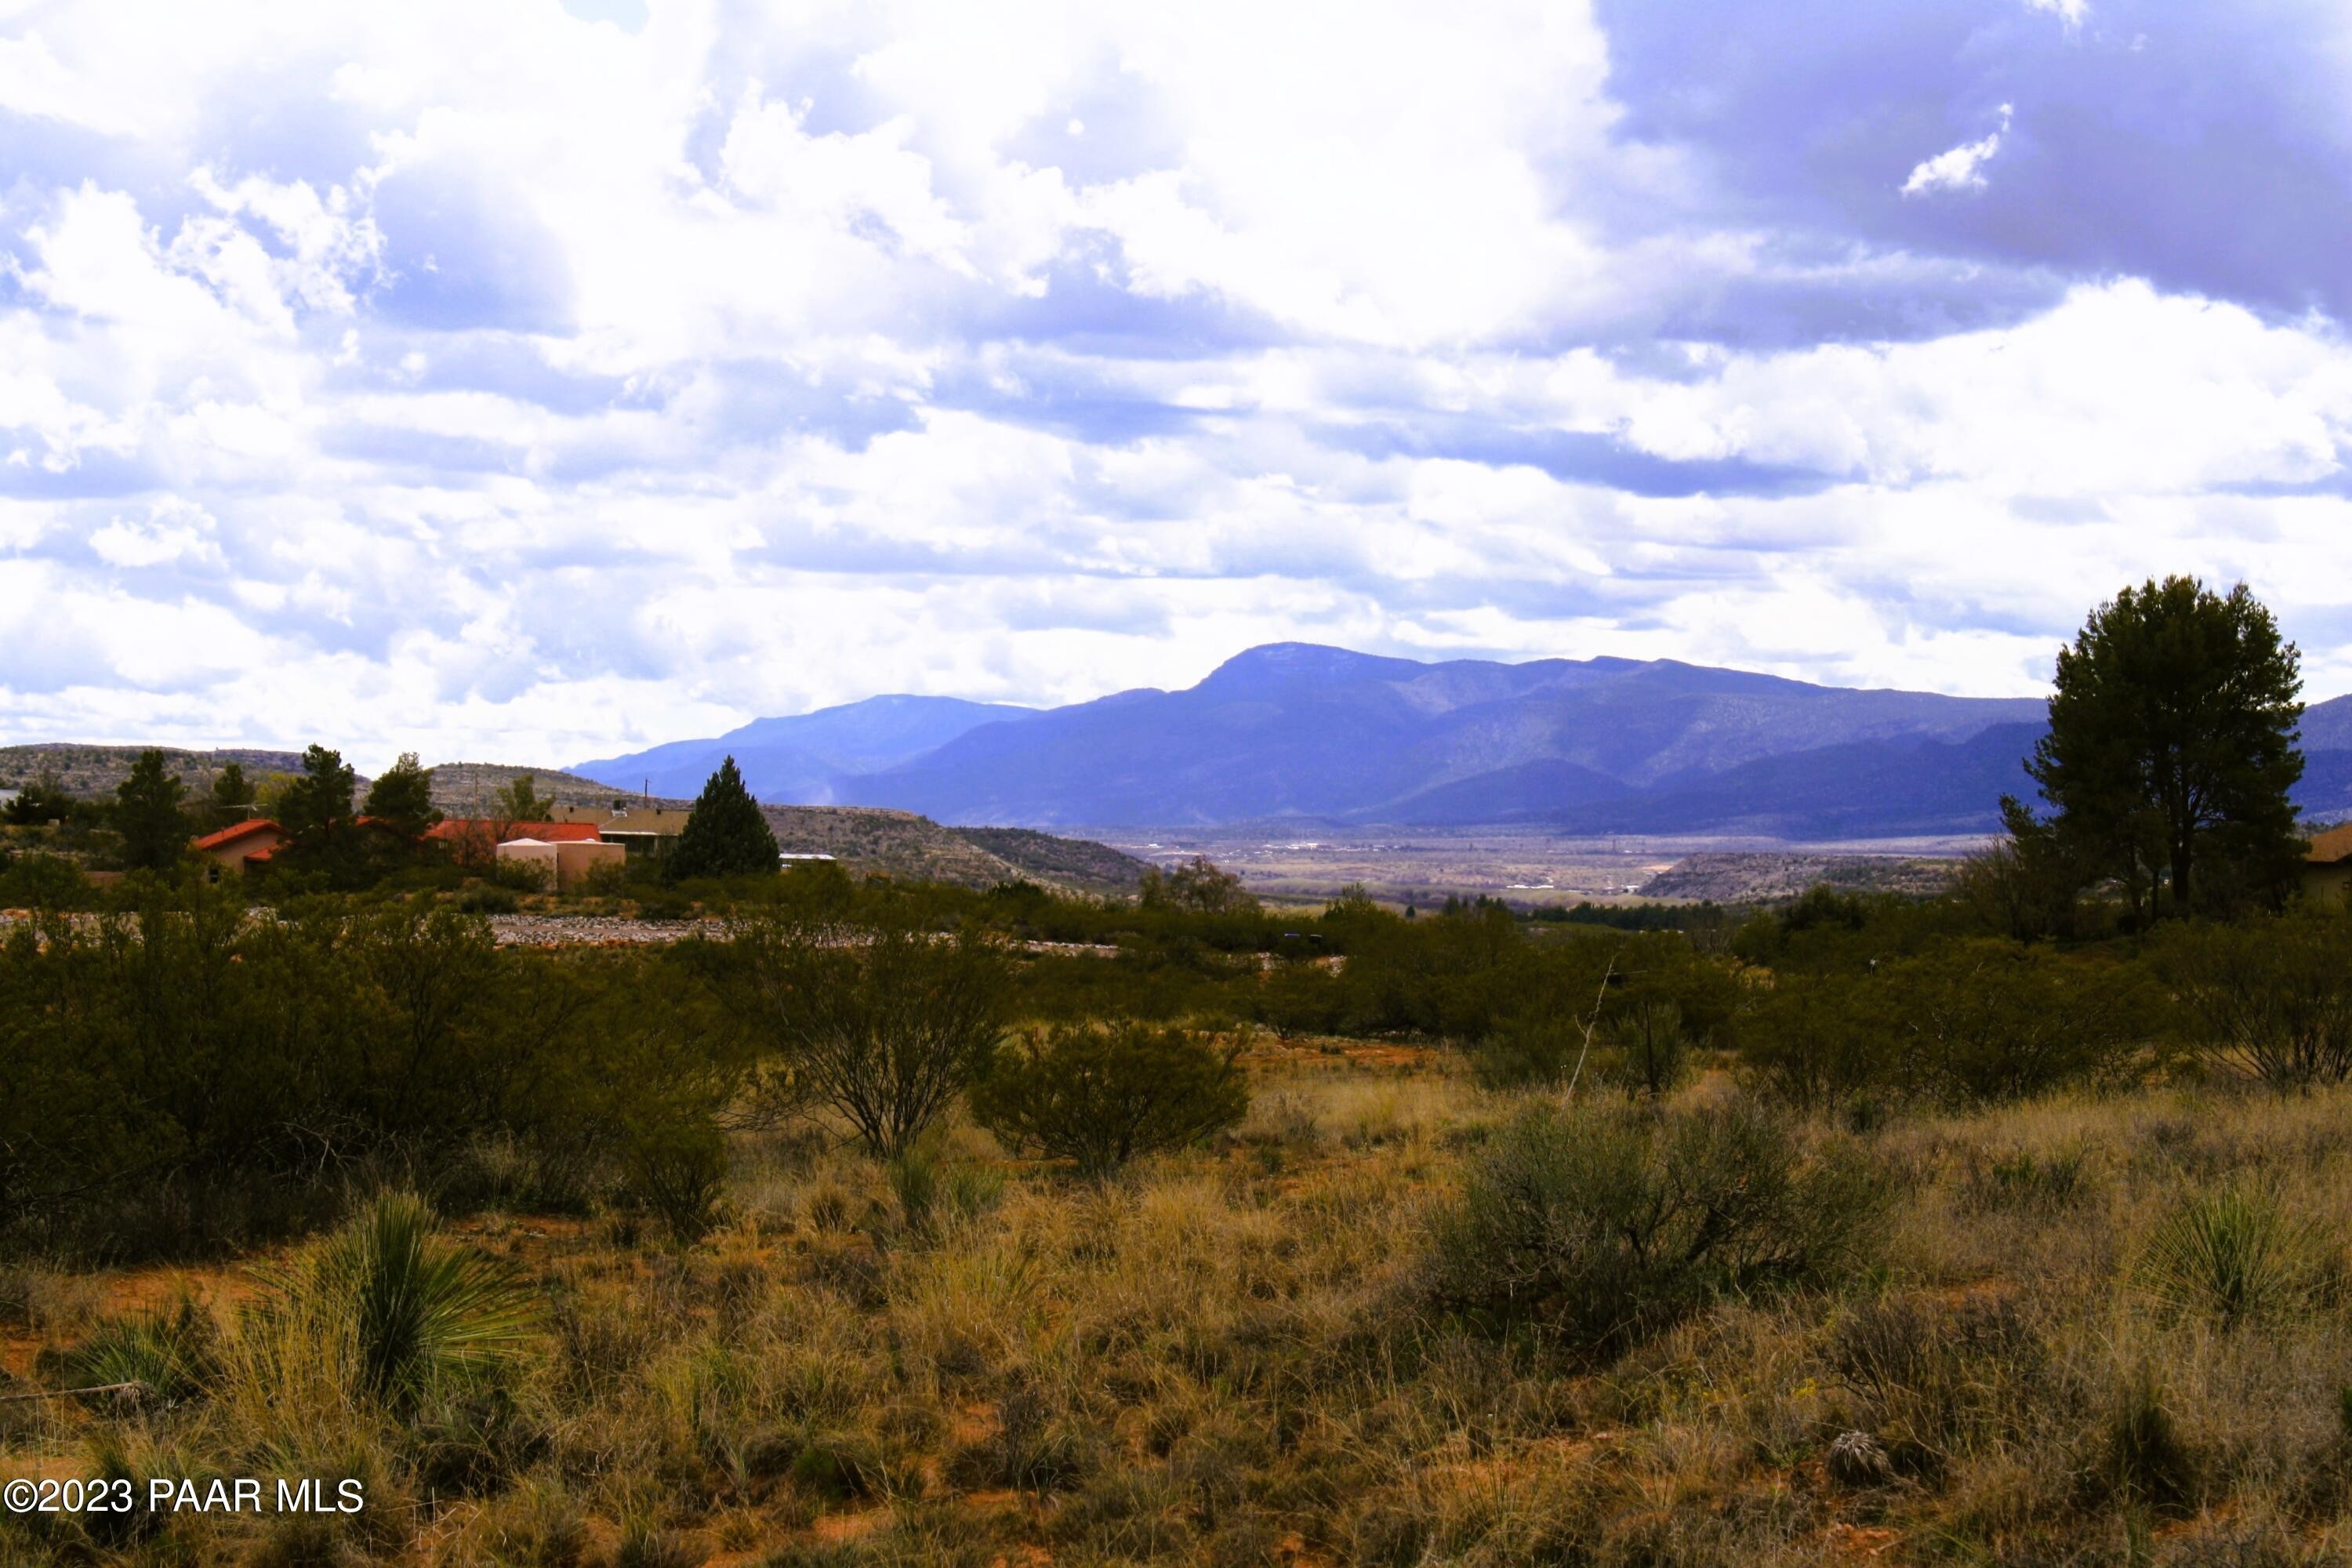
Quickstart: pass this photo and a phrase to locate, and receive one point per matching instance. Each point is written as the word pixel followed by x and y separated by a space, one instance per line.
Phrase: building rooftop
pixel 235 832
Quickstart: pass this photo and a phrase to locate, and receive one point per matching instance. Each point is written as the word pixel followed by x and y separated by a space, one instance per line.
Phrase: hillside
pixel 90 771
pixel 864 839
pixel 1042 857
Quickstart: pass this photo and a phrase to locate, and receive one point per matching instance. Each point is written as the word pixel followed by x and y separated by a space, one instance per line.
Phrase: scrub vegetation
pixel 896 1226
pixel 884 1223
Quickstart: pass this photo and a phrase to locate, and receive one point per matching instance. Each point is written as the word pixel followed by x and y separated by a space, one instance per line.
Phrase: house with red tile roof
pixel 2327 868
pixel 475 840
pixel 240 846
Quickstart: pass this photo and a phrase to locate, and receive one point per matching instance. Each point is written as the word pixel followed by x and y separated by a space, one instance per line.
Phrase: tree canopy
pixel 402 797
pixel 318 801
pixel 725 834
pixel 521 802
pixel 147 813
pixel 2172 745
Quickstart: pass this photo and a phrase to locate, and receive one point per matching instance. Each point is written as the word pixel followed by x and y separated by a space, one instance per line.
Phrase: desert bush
pixel 37 882
pixel 1812 1042
pixel 169 1356
pixel 2231 1253
pixel 1605 1224
pixel 679 1172
pixel 2024 1181
pixel 1932 1377
pixel 183 1076
pixel 1529 1050
pixel 1963 1022
pixel 1100 1096
pixel 885 1025
pixel 2271 998
pixel 1649 1049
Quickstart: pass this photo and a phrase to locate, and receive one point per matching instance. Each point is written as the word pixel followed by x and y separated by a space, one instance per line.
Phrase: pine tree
pixel 402 797
pixel 319 803
pixel 2172 744
pixel 147 814
pixel 725 834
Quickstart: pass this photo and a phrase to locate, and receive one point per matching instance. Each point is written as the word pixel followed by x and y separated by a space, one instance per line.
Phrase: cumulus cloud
pixel 631 371
pixel 1961 168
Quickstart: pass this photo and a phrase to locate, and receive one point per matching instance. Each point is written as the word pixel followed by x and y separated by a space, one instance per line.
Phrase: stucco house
pixel 638 825
pixel 475 840
pixel 237 849
pixel 2327 868
pixel 567 862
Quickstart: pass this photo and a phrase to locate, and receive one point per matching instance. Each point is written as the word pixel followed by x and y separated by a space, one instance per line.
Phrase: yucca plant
pixel 2231 1253
pixel 165 1356
pixel 417 1310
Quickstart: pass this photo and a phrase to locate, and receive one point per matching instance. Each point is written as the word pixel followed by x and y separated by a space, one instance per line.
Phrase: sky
pixel 534 381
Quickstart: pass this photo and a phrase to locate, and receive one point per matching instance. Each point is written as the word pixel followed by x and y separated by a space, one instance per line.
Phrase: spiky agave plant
pixel 417 1310
pixel 2231 1253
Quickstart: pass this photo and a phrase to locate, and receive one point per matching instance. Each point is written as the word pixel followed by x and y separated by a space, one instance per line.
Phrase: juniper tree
pixel 725 834
pixel 147 814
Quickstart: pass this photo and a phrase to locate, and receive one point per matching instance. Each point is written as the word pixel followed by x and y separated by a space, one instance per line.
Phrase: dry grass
pixel 1226 1359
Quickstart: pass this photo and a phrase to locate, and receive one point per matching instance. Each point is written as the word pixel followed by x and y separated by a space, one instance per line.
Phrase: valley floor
pixel 1534 867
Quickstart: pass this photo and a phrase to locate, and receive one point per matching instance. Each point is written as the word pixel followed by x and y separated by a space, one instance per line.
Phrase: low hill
pixel 91 772
pixel 1043 858
pixel 863 838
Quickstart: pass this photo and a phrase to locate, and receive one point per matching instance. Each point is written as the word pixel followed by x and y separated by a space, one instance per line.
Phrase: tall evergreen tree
pixel 725 834
pixel 319 802
pixel 147 814
pixel 402 797
pixel 231 795
pixel 2172 743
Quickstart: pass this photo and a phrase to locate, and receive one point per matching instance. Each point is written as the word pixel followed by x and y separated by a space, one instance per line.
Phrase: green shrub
pixel 1100 1096
pixel 1531 1050
pixel 1649 1049
pixel 1963 1023
pixel 2270 998
pixel 1605 1223
pixel 679 1170
pixel 884 1024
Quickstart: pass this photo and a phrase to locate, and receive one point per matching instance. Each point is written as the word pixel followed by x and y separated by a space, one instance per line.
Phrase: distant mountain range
pixel 1304 732
pixel 797 761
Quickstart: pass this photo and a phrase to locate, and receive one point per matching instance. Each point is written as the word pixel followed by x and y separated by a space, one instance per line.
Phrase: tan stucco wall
pixel 230 857
pixel 573 862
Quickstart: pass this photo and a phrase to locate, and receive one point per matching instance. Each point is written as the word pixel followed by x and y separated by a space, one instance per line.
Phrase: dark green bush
pixel 1603 1224
pixel 2271 998
pixel 183 1076
pixel 884 1024
pixel 679 1172
pixel 1102 1095
pixel 1963 1022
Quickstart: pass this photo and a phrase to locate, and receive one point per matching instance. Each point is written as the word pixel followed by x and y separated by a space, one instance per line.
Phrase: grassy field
pixel 1236 1355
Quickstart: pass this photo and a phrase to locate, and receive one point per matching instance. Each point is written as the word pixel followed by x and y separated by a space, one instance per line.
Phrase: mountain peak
pixel 1305 664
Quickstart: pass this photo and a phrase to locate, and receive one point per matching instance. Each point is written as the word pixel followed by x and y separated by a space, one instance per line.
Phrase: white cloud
pixel 2071 11
pixel 585 387
pixel 1961 168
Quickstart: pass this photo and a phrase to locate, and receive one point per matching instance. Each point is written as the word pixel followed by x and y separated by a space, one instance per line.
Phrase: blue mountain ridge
pixel 796 761
pixel 1316 734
